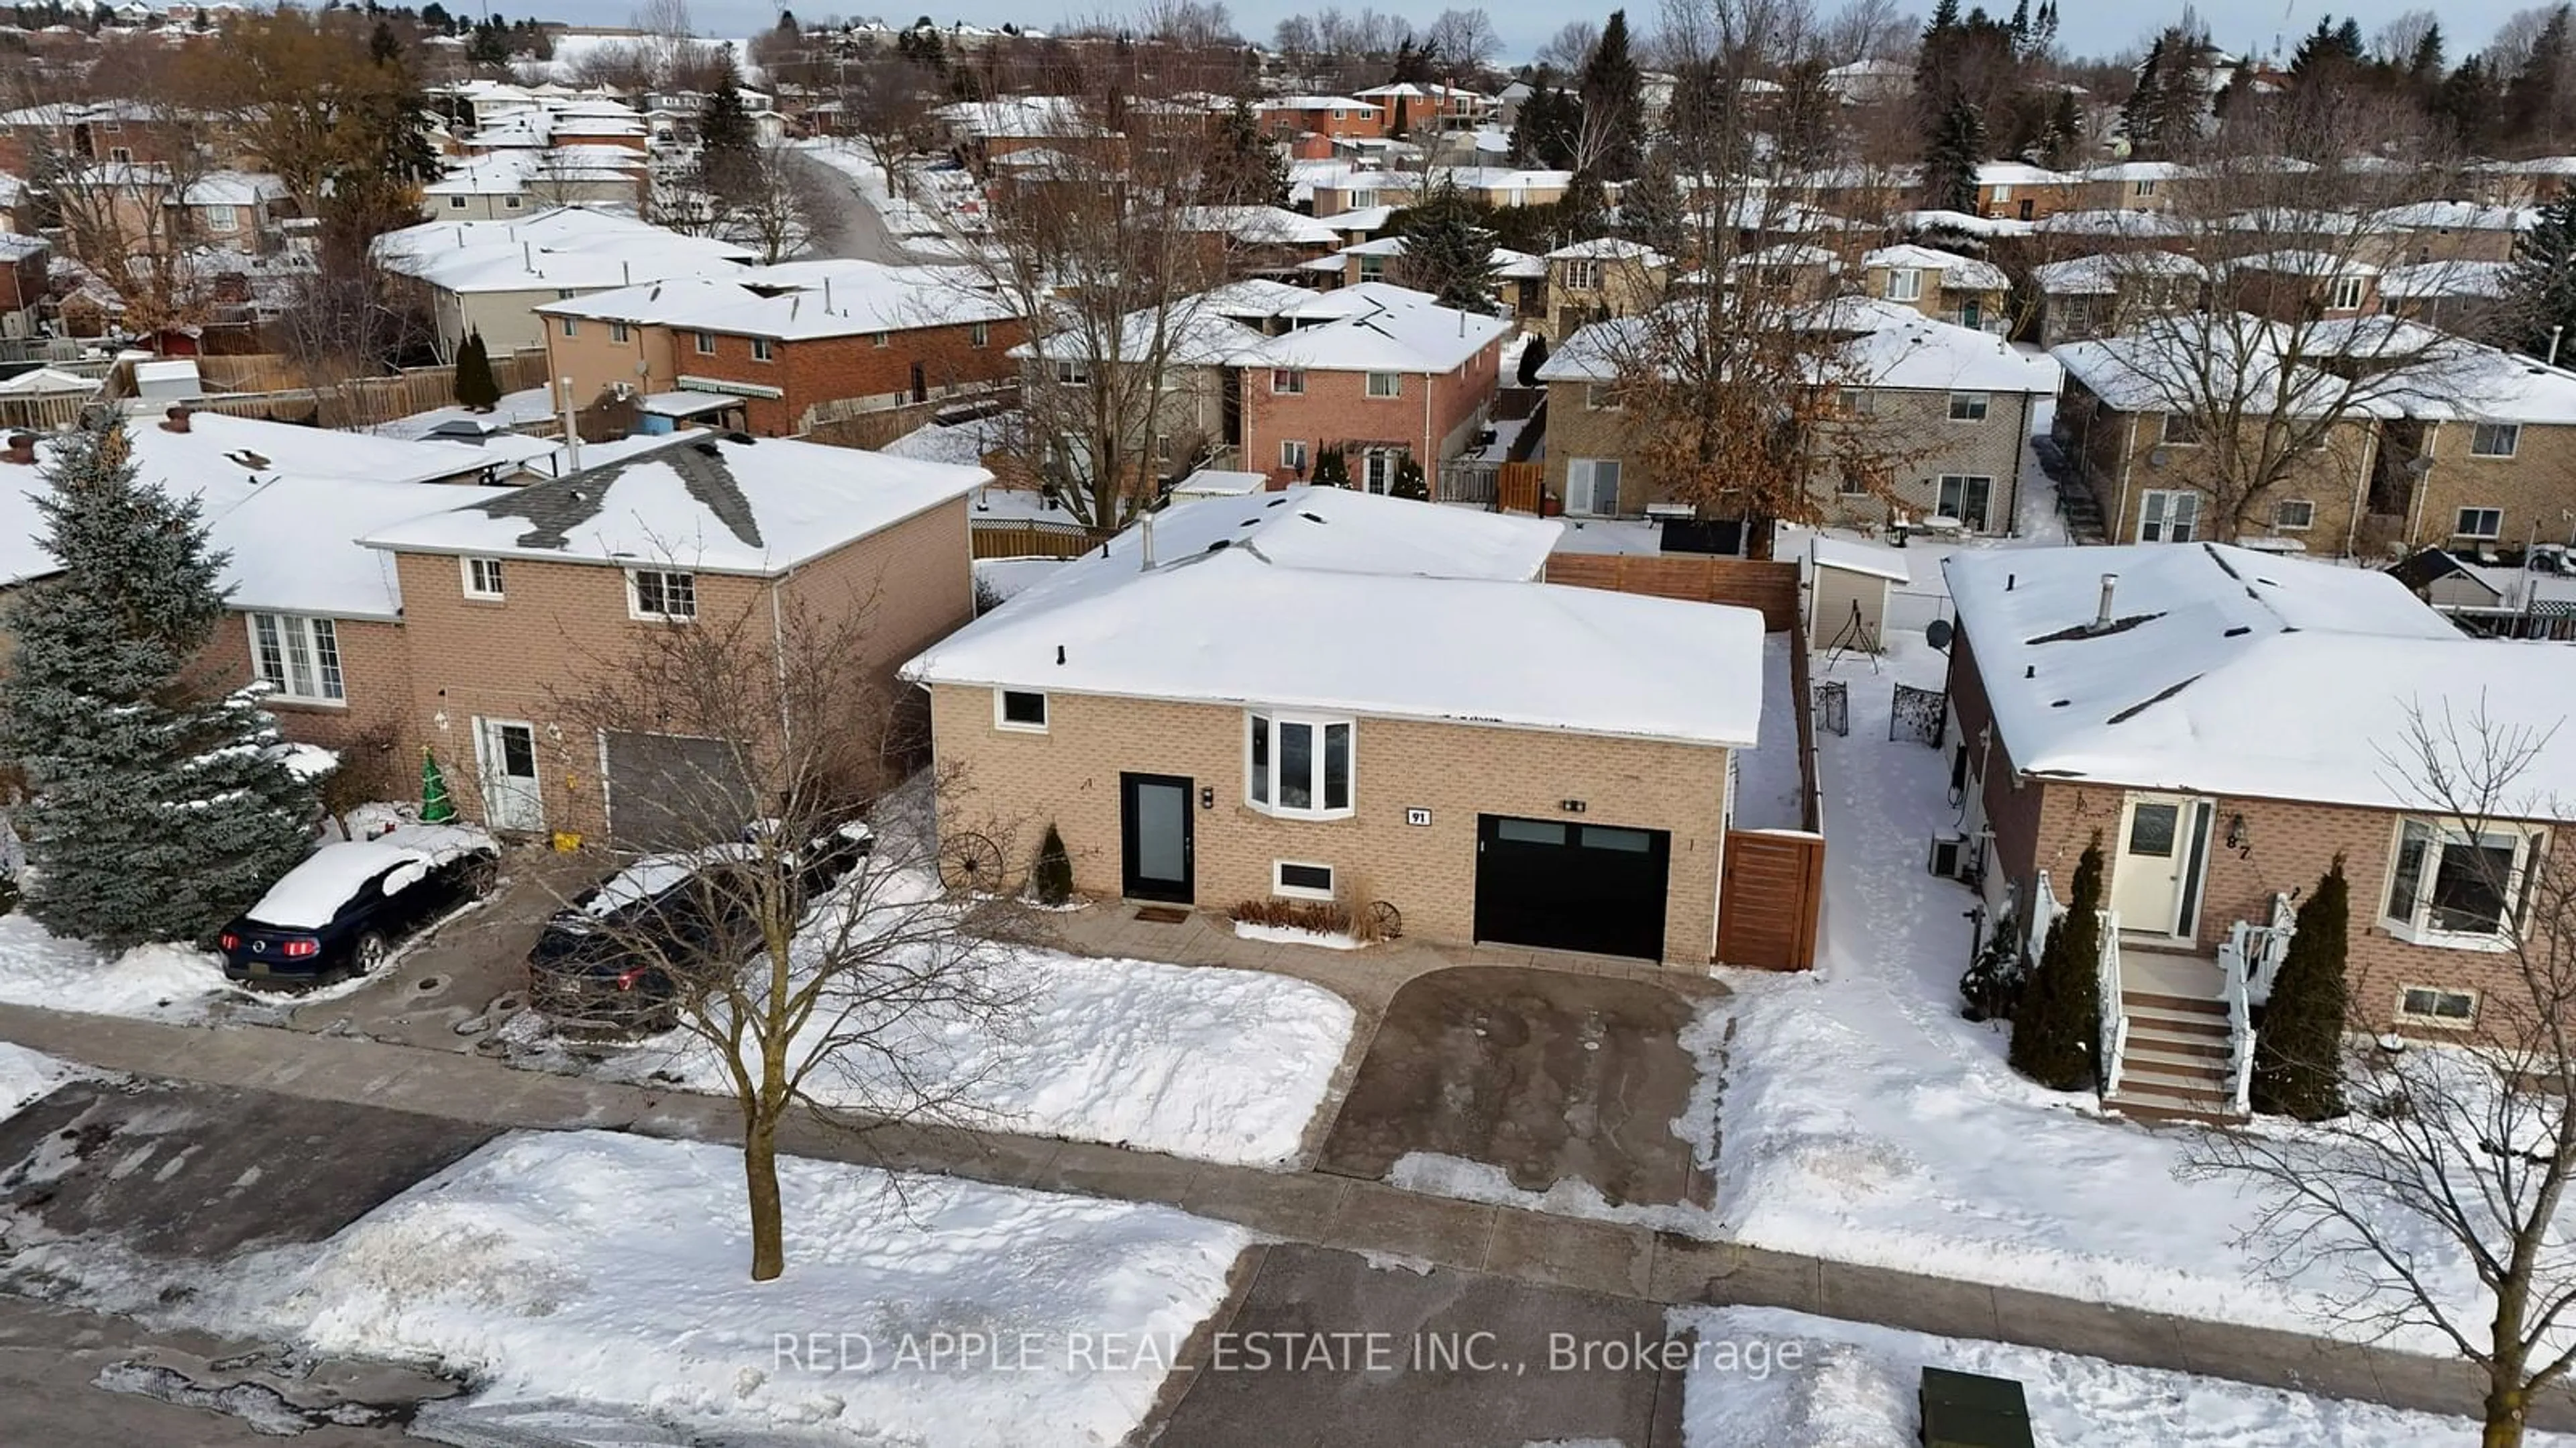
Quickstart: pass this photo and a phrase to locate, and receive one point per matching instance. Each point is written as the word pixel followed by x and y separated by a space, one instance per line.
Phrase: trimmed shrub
pixel 2298 1053
pixel 2060 1016
pixel 1052 878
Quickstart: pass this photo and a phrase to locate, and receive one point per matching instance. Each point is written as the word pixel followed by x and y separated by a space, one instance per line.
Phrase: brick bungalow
pixel 1581 806
pixel 2227 723
pixel 799 342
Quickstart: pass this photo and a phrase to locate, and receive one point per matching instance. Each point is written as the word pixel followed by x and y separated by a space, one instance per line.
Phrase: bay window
pixel 2454 883
pixel 1298 764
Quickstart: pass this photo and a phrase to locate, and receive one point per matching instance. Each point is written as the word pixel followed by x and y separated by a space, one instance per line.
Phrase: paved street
pixel 1314 1208
pixel 845 225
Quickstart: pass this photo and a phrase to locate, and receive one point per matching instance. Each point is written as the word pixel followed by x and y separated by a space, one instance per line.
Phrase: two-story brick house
pixel 694 533
pixel 799 342
pixel 1606 277
pixel 1373 371
pixel 2107 292
pixel 1965 290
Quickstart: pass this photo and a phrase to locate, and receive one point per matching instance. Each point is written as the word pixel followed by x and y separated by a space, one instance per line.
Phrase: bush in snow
pixel 1409 482
pixel 2061 1006
pixel 476 389
pixel 1320 917
pixel 2298 1055
pixel 1332 469
pixel 1992 987
pixel 157 813
pixel 1533 357
pixel 1052 880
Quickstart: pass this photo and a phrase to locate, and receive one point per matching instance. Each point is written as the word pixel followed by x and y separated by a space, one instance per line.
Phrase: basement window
pixel 1022 709
pixel 1300 881
pixel 2425 1005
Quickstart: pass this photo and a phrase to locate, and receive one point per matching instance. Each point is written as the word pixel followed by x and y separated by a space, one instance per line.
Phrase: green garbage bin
pixel 1966 1410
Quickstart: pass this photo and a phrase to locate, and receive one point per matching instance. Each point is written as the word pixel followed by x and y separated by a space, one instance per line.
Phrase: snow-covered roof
pixel 569 248
pixel 1259 225
pixel 800 299
pixel 707 505
pixel 1963 273
pixel 2233 672
pixel 2448 279
pixel 294 544
pixel 1219 483
pixel 45 381
pixel 1853 556
pixel 2018 173
pixel 310 895
pixel 2103 273
pixel 1375 327
pixel 1609 248
pixel 2192 356
pixel 1342 563
pixel 2111 223
pixel 2456 216
pixel 1943 219
pixel 1358 218
pixel 2300 261
pixel 1888 345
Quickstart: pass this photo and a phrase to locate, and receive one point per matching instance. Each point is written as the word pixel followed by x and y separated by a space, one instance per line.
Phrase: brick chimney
pixel 21 450
pixel 176 419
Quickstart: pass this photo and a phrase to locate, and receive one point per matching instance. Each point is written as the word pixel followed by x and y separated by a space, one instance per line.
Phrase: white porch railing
pixel 2045 907
pixel 2115 1008
pixel 2264 946
pixel 2233 968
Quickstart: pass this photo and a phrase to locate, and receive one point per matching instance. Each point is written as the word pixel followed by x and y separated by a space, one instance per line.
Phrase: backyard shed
pixel 1850 583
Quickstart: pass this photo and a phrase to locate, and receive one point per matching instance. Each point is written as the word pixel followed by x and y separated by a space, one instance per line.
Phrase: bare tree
pixel 1571 45
pixel 770 202
pixel 822 998
pixel 1464 43
pixel 1100 240
pixel 2468 1146
pixel 670 38
pixel 886 102
pixel 1867 30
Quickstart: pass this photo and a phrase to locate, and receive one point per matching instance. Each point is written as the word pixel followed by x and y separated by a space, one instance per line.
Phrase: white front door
pixel 2164 847
pixel 506 751
pixel 2169 516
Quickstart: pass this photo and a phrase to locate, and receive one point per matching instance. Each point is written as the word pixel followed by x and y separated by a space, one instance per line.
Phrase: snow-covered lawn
pixel 1219 1065
pixel 25 1076
pixel 1865 1121
pixel 159 982
pixel 1853 1386
pixel 614 1269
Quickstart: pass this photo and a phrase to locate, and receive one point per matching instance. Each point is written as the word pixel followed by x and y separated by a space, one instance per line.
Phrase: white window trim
pixel 1280 887
pixel 1293 453
pixel 979 335
pixel 1984 402
pixel 1904 284
pixel 2468 1022
pixel 1072 372
pixel 2165 424
pixel 1287 381
pixel 1001 719
pixel 571 327
pixel 465 569
pixel 763 350
pixel 635 597
pixel 1394 385
pixel 1601 397
pixel 706 344
pixel 620 332
pixel 2417 931
pixel 2513 441
pixel 1317 722
pixel 2356 288
pixel 282 687
pixel 2280 527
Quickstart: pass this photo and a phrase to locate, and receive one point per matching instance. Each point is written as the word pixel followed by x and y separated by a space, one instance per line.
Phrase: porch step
pixel 2171 1015
pixel 2155 1107
pixel 2166 1073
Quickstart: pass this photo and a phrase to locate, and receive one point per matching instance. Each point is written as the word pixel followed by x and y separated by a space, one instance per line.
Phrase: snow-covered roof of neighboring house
pixel 1609 248
pixel 1507 178
pixel 1942 219
pixel 1218 483
pixel 1259 225
pixel 2191 357
pixel 2134 171
pixel 2228 671
pixel 44 381
pixel 2103 273
pixel 2110 223
pixel 1518 265
pixel 2532 166
pixel 2455 216
pixel 510 173
pixel 294 544
pixel 1376 327
pixel 234 188
pixel 1335 560
pixel 698 503
pixel 1358 218
pixel 1788 253
pixel 2018 173
pixel 567 248
pixel 2447 279
pixel 1318 103
pixel 1960 273
pixel 799 299
pixel 1888 345
pixel 1017 116
pixel 2300 261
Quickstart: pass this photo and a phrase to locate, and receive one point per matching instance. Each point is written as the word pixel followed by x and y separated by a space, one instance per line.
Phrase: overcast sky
pixel 2087 26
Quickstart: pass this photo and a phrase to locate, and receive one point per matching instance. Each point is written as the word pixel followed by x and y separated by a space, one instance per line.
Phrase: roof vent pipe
pixel 572 433
pixel 2102 616
pixel 1148 542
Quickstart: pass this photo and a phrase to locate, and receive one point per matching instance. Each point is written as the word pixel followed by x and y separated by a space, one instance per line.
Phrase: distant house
pixel 1340 117
pixel 2107 292
pixel 1609 276
pixel 2226 724
pixel 1963 290
pixel 491 276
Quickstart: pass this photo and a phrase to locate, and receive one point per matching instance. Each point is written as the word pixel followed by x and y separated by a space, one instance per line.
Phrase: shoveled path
pixel 1328 1211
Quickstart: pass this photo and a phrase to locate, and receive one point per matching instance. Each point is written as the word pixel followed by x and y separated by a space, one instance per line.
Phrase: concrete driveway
pixel 1545 1074
pixel 1389 1357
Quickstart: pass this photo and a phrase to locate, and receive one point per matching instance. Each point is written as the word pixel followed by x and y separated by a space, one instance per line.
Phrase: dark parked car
pixel 344 909
pixel 603 961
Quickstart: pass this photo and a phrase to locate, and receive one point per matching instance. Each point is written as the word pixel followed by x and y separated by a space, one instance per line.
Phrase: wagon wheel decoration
pixel 972 861
pixel 1385 921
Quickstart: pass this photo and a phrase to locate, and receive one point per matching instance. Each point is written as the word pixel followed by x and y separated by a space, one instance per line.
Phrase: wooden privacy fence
pixel 1516 486
pixel 1767 585
pixel 1770 897
pixel 273 386
pixel 1027 539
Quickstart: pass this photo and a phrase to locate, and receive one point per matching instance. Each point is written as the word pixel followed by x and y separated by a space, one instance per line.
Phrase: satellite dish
pixel 1937 634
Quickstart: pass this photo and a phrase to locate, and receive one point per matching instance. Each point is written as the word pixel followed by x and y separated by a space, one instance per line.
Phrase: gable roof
pixel 799 300
pixel 2228 671
pixel 707 505
pixel 1888 345
pixel 1342 564
pixel 569 247
pixel 1965 273
pixel 2102 273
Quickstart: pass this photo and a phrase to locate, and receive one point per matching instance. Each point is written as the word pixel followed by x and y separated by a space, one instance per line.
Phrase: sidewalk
pixel 1312 1207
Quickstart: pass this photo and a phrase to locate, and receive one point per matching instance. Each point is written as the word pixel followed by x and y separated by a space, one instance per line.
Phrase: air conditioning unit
pixel 1954 857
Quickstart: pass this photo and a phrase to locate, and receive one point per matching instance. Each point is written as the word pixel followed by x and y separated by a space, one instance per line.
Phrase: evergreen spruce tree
pixel 1650 210
pixel 1952 154
pixel 1332 469
pixel 1409 481
pixel 1052 880
pixel 2469 102
pixel 475 386
pixel 1447 252
pixel 1612 89
pixel 1546 130
pixel 1243 167
pixel 156 814
pixel 1533 357
pixel 1585 211
pixel 2298 1053
pixel 728 146
pixel 2540 292
pixel 2532 100
pixel 2060 1016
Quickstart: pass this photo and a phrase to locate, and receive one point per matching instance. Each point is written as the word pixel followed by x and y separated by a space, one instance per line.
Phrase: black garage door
pixel 669 792
pixel 1568 885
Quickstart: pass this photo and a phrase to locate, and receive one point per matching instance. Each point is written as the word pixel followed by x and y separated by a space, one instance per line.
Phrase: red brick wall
pixel 1336 408
pixel 827 369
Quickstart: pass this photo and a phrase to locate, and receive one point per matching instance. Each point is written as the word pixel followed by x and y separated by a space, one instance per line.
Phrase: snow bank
pixel 25 1076
pixel 1218 1065
pixel 615 1268
pixel 1864 1121
pixel 1291 935
pixel 161 982
pixel 1851 1385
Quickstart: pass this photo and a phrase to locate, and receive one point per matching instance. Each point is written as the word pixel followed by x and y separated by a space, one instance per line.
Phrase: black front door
pixel 1154 836
pixel 1567 885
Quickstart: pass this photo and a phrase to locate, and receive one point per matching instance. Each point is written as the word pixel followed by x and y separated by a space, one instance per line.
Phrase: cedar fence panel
pixel 1766 585
pixel 1516 486
pixel 1770 897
